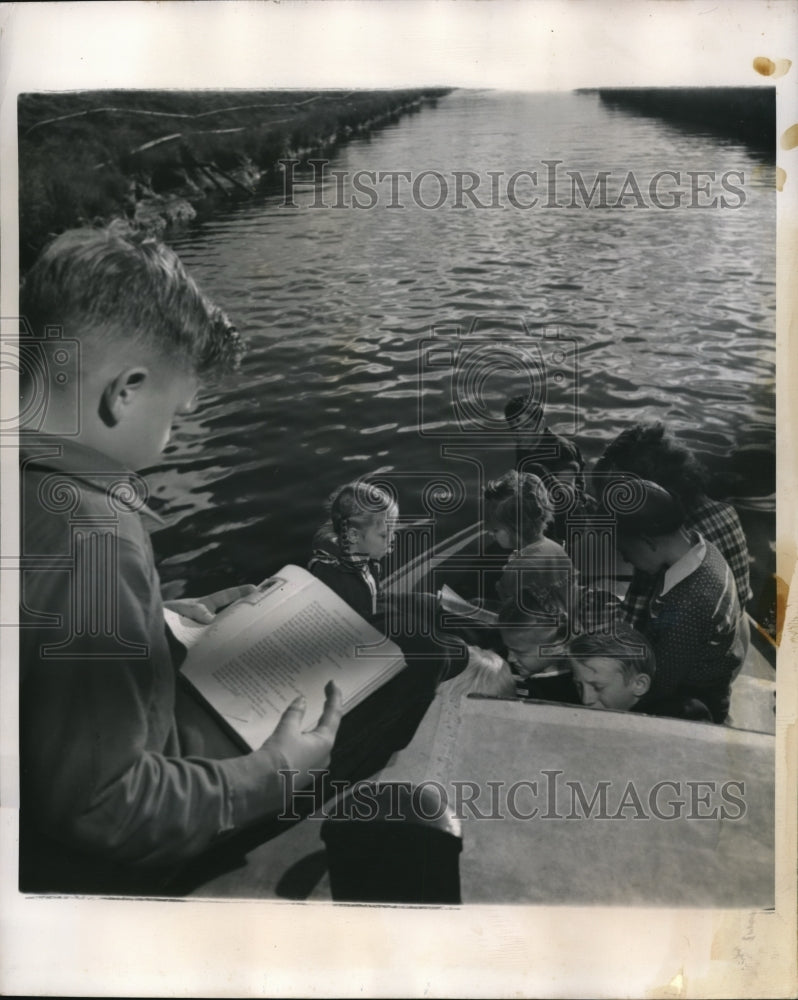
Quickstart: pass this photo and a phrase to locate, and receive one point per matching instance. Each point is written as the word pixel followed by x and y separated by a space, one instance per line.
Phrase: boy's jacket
pixel 114 793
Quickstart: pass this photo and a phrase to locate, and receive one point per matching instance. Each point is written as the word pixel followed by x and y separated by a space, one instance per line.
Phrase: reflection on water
pixel 672 312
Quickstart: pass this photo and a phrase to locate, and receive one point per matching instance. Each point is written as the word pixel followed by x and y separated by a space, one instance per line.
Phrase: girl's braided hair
pixel 354 505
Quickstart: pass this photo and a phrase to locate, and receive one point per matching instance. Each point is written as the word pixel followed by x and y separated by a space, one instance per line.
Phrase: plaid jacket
pixel 719 524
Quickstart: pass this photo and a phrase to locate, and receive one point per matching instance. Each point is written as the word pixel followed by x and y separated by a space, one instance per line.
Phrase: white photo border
pixel 234 948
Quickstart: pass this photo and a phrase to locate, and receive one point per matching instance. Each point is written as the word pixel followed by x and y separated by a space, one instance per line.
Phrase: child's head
pixel 524 413
pixel 545 453
pixel 364 518
pixel 646 531
pixel 568 465
pixel 517 509
pixel 650 451
pixel 538 618
pixel 612 671
pixel 145 335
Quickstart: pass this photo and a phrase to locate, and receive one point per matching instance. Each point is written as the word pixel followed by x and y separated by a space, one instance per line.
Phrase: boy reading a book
pixel 615 671
pixel 693 617
pixel 650 451
pixel 112 797
pixel 612 671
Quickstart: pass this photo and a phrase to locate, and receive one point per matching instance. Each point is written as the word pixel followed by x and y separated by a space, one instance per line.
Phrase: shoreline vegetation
pixel 745 114
pixel 159 158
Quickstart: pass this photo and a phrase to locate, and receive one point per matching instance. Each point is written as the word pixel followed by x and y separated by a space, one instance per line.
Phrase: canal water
pixel 625 308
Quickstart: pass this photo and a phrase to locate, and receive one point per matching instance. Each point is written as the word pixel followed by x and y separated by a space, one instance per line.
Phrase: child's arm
pixel 101 766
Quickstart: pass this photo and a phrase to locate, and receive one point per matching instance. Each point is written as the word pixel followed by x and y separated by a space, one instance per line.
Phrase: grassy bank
pixel 745 114
pixel 154 156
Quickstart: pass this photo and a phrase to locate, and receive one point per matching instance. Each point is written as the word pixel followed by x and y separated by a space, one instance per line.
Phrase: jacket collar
pixel 91 468
pixel 327 548
pixel 685 566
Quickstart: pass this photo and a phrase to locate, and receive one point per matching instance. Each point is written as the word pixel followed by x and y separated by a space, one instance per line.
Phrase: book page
pixel 285 648
pixel 271 592
pixel 452 602
pixel 187 632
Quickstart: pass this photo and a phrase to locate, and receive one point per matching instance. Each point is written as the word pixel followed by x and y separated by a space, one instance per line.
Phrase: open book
pixel 288 638
pixel 452 602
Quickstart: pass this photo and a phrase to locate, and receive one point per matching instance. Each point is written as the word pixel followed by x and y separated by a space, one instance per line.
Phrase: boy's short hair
pixel 357 503
pixel 652 510
pixel 626 645
pixel 519 502
pixel 114 286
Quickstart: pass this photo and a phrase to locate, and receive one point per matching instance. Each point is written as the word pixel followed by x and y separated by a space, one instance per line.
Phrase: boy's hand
pixel 304 751
pixel 204 609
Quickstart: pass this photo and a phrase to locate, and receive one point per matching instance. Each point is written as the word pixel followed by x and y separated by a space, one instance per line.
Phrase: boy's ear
pixel 640 684
pixel 120 393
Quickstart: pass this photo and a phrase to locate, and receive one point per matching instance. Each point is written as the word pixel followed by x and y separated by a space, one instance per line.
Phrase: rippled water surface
pixel 671 314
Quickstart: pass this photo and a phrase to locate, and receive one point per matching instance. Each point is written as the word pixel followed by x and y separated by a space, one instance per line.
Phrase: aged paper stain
pixel 673 990
pixel 789 139
pixel 782 596
pixel 770 67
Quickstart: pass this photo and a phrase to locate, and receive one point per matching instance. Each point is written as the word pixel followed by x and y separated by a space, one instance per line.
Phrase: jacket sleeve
pixel 100 765
pixel 635 602
pixel 697 645
pixel 736 554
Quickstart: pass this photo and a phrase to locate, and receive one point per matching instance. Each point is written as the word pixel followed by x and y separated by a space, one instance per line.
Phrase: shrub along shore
pixel 156 157
pixel 744 114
